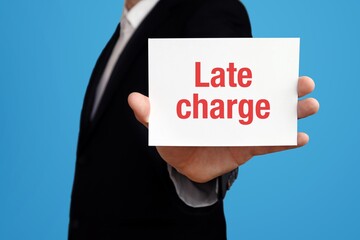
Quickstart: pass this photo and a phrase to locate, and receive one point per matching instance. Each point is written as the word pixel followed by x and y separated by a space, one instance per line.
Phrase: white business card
pixel 223 91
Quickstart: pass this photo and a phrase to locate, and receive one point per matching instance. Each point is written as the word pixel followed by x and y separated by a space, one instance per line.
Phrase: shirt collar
pixel 138 12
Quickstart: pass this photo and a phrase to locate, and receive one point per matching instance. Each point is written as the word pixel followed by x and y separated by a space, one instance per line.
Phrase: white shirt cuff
pixel 191 193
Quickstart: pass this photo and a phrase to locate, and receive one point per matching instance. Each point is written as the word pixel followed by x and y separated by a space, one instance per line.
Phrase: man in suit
pixel 124 189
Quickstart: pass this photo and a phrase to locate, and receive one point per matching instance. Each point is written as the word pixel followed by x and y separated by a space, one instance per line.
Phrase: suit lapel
pixel 85 124
pixel 137 42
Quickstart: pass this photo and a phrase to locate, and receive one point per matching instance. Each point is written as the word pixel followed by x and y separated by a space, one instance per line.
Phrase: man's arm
pixel 226 18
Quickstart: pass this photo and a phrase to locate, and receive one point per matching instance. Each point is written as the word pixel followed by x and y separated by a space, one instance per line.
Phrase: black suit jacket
pixel 122 188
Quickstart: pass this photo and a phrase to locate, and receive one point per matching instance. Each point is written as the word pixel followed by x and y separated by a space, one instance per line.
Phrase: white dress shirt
pixel 191 193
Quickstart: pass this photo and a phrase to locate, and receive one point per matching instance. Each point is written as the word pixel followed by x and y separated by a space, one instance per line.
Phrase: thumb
pixel 140 104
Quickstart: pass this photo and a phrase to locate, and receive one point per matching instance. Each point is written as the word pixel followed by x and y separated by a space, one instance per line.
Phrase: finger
pixel 305 86
pixel 307 107
pixel 302 139
pixel 141 106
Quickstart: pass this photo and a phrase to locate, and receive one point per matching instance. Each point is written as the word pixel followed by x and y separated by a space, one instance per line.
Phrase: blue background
pixel 47 52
